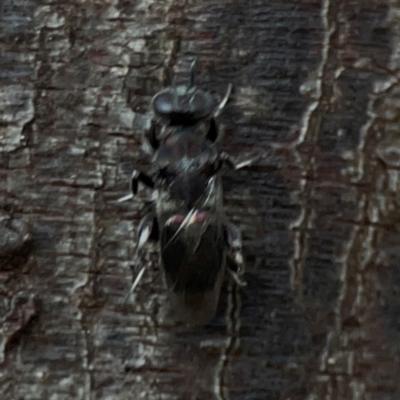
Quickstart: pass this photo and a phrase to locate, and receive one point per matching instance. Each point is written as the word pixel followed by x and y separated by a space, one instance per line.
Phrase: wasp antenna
pixel 192 68
pixel 224 101
pixel 167 76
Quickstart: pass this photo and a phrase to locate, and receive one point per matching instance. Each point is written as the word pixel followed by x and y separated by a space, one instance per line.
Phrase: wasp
pixel 197 244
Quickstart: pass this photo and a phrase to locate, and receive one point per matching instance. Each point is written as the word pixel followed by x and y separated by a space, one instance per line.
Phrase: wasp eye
pixel 163 103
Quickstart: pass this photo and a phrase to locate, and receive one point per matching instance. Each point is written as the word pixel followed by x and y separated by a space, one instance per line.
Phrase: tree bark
pixel 316 92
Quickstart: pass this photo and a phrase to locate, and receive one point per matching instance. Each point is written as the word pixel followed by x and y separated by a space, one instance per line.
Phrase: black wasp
pixel 196 241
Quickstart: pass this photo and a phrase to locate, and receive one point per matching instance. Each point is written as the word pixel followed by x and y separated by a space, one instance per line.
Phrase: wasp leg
pixel 135 178
pixel 150 138
pixel 224 101
pixel 230 162
pixel 192 68
pixel 224 159
pixel 213 133
pixel 147 230
pixel 227 160
pixel 235 261
pixel 142 177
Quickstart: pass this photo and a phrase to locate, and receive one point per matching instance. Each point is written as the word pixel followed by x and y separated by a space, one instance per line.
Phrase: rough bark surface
pixel 317 87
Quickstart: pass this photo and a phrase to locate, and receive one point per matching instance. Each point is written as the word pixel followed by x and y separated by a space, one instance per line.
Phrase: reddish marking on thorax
pixel 179 218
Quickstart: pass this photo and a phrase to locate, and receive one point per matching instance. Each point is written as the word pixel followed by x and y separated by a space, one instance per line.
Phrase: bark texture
pixel 316 89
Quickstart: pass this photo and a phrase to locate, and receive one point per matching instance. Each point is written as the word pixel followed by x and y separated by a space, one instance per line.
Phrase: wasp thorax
pixel 183 104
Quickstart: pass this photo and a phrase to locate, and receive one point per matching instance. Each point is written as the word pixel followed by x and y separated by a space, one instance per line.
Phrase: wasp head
pixel 183 105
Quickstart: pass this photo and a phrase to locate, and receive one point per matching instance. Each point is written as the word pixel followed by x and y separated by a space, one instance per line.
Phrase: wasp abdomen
pixel 194 261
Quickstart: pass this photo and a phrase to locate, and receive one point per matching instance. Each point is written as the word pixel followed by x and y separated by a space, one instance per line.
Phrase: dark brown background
pixel 316 88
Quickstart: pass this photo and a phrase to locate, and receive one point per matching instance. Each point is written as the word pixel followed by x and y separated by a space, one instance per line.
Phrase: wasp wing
pixel 194 264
